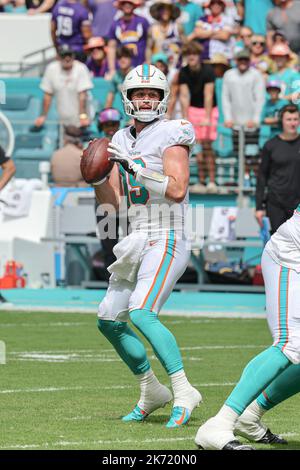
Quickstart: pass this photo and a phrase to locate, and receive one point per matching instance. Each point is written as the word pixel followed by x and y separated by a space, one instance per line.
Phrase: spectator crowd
pixel 229 62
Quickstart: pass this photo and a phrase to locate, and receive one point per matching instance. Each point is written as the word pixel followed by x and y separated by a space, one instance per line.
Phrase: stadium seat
pixel 21 110
pixel 23 85
pixel 100 90
pixel 30 150
pixel 35 146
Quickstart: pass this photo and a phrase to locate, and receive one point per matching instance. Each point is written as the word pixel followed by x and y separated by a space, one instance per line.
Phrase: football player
pixel 273 375
pixel 152 171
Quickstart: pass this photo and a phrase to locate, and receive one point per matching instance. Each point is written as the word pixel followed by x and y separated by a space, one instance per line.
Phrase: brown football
pixel 94 164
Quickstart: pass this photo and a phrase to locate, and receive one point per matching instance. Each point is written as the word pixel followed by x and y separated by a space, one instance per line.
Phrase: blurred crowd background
pixel 231 64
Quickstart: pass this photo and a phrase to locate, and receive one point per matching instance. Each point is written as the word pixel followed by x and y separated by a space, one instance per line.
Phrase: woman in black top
pixel 279 172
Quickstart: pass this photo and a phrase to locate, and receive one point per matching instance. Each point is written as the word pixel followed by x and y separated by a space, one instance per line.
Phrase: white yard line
pixel 112 387
pixel 63 443
pixel 99 350
pixel 88 443
pixel 38 325
pixel 110 356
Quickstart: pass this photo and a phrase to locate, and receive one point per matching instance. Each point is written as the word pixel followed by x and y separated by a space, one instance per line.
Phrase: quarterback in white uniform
pixel 152 172
pixel 273 375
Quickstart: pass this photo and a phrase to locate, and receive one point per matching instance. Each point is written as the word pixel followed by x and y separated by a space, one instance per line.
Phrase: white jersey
pixel 148 211
pixel 284 245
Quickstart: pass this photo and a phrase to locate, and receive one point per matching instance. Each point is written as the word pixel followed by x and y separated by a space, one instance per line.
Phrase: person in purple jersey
pixel 70 25
pixel 130 31
pixel 103 12
pixel 96 62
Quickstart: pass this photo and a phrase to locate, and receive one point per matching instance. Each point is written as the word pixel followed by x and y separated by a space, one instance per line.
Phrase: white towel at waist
pixel 17 196
pixel 128 253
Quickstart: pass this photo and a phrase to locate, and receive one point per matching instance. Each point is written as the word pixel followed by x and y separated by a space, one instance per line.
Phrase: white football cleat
pixel 215 435
pixel 252 428
pixel 183 408
pixel 154 400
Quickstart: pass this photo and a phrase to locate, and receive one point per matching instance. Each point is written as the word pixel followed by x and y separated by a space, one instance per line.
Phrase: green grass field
pixel 63 387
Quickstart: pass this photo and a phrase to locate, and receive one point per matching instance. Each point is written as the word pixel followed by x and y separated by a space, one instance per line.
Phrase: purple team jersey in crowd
pixel 95 69
pixel 103 15
pixel 69 18
pixel 132 35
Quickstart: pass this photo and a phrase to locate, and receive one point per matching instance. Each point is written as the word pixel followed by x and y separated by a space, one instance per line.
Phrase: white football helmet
pixel 146 76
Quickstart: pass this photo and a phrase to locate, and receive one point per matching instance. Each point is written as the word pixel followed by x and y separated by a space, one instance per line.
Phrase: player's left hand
pixel 118 156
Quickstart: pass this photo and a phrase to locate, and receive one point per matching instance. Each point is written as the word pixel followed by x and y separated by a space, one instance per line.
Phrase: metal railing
pixel 241 164
pixel 30 64
pixel 235 173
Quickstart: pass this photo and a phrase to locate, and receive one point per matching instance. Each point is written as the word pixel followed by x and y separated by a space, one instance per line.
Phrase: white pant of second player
pixel 162 263
pixel 283 306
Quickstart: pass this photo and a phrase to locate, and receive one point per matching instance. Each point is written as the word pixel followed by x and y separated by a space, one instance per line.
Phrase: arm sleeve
pixel 263 175
pixel 181 132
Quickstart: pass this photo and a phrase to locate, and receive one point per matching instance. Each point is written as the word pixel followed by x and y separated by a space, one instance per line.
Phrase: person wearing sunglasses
pixel 258 58
pixel 281 56
pixel 279 38
pixel 96 62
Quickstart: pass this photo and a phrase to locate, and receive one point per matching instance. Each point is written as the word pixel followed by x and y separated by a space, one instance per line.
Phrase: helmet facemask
pixel 158 107
pixel 145 77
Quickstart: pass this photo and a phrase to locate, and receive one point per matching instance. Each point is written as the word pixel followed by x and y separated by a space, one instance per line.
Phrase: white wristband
pixel 100 182
pixel 153 181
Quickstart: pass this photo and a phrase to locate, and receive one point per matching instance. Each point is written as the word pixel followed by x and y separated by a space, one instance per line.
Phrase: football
pixel 94 164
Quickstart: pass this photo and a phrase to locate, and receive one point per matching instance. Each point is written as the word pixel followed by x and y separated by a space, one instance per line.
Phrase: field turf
pixel 63 387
